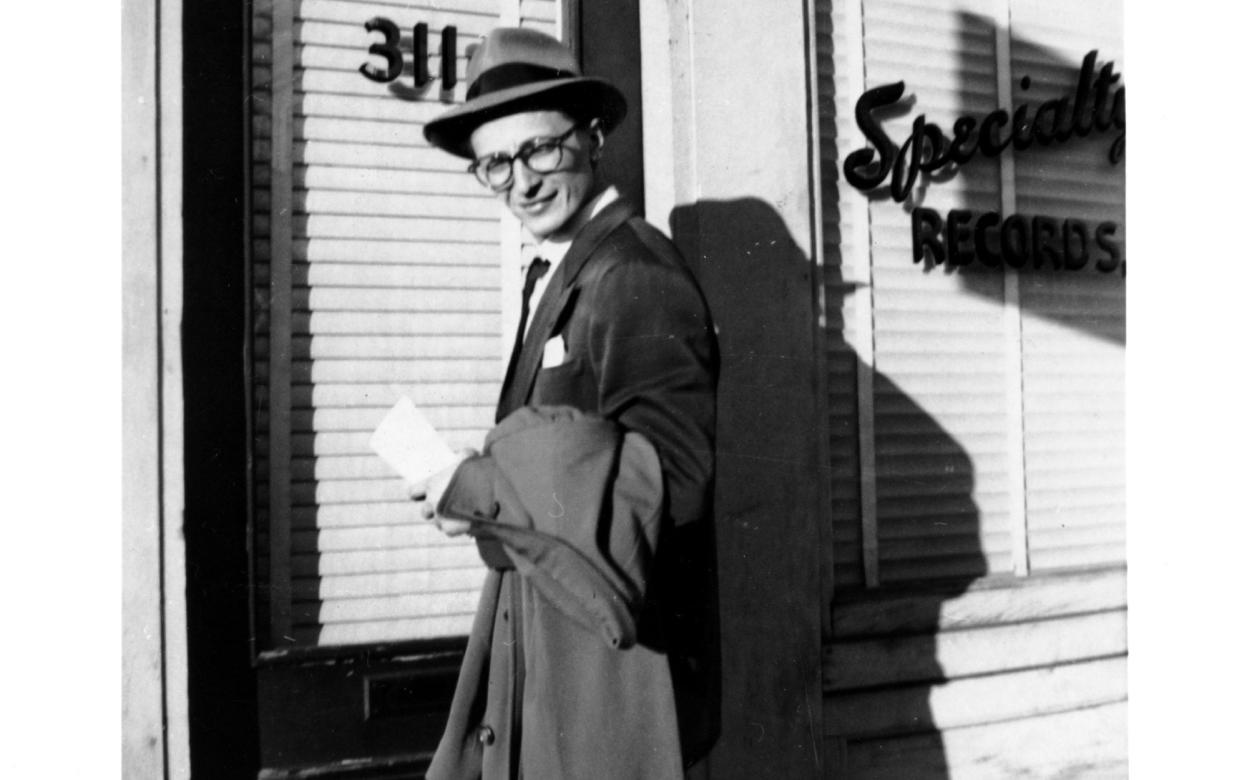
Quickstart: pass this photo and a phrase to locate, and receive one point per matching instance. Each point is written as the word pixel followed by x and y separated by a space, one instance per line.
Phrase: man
pixel 593 651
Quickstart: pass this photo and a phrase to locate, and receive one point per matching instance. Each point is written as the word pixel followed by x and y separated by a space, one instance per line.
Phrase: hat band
pixel 513 74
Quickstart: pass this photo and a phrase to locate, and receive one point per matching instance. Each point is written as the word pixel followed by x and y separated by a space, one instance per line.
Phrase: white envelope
pixel 407 442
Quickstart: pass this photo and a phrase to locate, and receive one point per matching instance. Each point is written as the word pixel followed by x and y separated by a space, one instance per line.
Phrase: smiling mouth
pixel 537 206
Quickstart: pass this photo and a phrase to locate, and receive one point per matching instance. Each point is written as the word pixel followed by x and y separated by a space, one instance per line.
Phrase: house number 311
pixel 394 58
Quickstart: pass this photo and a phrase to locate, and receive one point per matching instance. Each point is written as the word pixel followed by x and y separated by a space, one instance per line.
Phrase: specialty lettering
pixel 861 169
pixel 927 149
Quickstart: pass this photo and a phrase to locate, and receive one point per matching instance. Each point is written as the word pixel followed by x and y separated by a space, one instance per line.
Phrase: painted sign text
pixel 1018 241
pixel 928 148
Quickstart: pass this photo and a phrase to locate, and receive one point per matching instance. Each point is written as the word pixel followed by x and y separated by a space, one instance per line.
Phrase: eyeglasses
pixel 540 155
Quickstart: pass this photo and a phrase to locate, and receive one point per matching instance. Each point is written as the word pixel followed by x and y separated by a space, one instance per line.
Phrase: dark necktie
pixel 537 268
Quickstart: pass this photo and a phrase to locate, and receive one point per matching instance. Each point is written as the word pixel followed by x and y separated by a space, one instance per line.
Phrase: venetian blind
pixel 940 384
pixel 1073 322
pixel 395 288
pixel 977 412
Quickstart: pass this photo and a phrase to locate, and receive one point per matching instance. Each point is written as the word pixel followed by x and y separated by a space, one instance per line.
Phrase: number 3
pixel 389 50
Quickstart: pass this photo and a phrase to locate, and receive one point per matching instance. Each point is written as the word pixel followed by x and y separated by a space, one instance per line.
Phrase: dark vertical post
pixel 609 48
pixel 280 357
pixel 222 716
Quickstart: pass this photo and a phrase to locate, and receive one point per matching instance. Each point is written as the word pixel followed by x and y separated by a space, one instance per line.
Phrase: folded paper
pixel 408 442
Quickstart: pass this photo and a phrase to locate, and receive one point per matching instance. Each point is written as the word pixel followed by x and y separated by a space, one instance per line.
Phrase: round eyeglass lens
pixel 496 173
pixel 544 158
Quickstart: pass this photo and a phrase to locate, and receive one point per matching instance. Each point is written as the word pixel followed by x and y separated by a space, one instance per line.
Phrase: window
pixel 977 412
pixel 377 273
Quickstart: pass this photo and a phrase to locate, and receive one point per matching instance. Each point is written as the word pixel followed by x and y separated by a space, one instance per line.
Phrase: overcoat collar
pixel 556 301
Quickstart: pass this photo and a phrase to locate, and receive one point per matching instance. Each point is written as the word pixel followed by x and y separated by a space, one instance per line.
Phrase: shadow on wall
pixel 757 279
pixel 1060 184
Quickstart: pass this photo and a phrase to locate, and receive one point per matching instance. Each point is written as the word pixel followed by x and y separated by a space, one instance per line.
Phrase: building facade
pixel 908 218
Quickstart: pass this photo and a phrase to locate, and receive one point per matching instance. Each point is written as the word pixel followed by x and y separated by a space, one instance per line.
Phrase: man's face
pixel 546 203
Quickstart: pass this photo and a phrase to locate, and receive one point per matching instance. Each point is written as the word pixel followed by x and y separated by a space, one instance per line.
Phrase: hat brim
pixel 580 96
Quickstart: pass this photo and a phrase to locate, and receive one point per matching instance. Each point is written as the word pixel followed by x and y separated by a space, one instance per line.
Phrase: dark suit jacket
pixel 640 350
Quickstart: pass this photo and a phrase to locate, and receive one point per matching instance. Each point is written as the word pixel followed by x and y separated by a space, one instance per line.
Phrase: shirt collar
pixel 555 251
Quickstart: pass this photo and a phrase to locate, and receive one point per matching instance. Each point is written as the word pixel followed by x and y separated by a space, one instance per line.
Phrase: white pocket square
pixel 554 352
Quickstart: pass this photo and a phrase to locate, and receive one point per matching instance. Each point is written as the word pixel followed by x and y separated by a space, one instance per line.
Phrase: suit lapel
pixel 556 300
pixel 593 233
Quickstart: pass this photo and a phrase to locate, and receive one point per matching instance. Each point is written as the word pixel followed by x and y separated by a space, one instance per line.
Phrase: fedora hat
pixel 517 69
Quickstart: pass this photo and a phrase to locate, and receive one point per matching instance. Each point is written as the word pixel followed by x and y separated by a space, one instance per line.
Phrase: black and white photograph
pixel 609 389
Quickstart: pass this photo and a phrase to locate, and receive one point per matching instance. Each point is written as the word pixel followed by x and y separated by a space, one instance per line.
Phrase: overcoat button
pixel 486 735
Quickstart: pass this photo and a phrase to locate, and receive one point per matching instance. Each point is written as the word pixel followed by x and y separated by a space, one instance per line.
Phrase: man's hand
pixel 426 496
